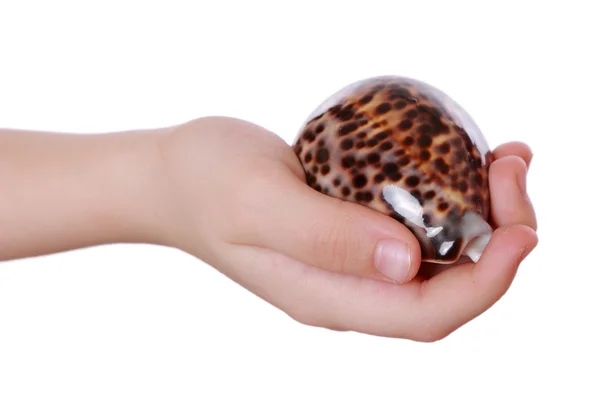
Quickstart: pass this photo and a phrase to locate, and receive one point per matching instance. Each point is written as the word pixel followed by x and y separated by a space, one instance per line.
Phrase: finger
pixel 460 294
pixel 510 203
pixel 518 149
pixel 422 311
pixel 331 234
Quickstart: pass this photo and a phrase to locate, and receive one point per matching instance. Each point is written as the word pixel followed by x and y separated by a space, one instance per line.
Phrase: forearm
pixel 60 192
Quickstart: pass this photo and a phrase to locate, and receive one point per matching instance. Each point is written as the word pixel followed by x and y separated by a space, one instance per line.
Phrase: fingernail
pixel 392 260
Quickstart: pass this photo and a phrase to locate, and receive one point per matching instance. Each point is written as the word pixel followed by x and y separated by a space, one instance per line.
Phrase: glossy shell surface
pixel 404 148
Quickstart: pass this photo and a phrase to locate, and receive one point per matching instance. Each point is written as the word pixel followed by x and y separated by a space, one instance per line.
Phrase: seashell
pixel 404 148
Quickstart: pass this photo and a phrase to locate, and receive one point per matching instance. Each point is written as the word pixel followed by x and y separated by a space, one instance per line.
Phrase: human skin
pixel 233 194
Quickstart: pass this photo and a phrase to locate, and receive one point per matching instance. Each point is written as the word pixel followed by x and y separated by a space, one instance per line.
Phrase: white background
pixel 133 322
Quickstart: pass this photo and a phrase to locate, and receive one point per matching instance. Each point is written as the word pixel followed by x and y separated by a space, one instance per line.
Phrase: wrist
pixel 135 202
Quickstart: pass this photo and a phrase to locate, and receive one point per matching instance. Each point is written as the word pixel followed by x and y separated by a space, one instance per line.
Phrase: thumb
pixel 336 235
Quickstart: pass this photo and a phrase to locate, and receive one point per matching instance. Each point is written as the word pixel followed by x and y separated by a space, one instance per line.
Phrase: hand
pixel 238 201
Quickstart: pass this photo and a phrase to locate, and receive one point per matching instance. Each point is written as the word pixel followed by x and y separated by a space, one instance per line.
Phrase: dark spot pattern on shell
pixel 395 136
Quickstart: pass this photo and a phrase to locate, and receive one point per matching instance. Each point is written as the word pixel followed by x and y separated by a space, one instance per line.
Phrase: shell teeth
pixel 478 234
pixel 476 247
pixel 431 231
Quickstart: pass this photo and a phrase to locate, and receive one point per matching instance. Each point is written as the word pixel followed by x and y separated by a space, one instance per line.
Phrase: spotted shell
pixel 404 148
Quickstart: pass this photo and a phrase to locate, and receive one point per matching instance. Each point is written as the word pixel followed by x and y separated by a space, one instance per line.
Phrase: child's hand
pixel 237 199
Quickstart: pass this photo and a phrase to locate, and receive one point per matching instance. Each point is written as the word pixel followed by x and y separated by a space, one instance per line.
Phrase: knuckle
pixel 331 244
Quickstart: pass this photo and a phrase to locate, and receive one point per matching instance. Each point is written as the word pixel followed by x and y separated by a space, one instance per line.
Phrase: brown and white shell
pixel 404 148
